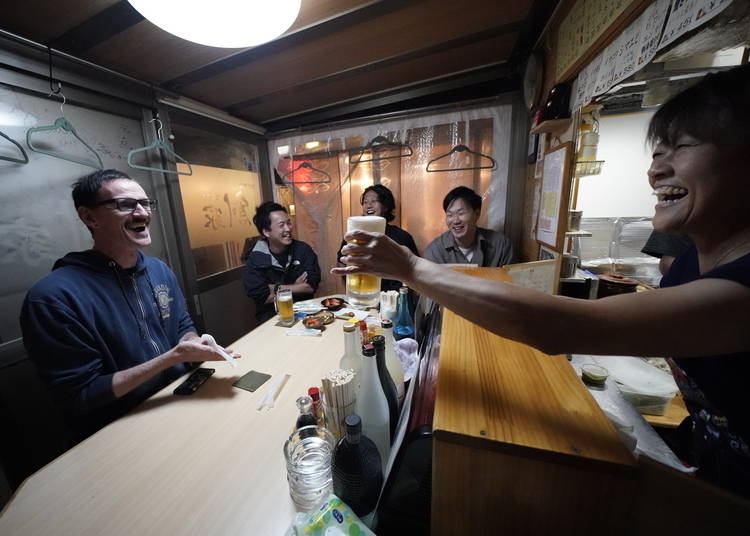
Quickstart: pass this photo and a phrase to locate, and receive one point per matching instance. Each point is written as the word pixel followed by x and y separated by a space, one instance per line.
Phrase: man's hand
pixel 196 349
pixel 190 348
pixel 301 279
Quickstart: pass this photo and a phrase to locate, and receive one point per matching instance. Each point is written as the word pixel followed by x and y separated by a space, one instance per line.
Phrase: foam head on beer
pixel 372 224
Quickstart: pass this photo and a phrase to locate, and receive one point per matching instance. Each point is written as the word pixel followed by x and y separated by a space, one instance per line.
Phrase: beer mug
pixel 363 290
pixel 285 306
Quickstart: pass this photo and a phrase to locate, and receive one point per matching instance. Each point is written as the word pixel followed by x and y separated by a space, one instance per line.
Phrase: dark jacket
pixel 88 319
pixel 401 237
pixel 263 269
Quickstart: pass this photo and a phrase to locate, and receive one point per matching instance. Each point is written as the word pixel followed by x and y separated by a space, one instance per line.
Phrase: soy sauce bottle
pixel 306 416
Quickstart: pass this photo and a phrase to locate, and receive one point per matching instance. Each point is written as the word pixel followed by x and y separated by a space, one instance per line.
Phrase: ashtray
pixel 332 304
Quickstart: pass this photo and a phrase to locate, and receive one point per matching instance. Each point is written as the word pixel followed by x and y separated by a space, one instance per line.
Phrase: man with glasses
pixel 108 327
pixel 465 242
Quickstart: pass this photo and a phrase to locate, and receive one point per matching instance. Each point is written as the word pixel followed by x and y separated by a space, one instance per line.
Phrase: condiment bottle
pixel 364 334
pixel 317 406
pixel 306 417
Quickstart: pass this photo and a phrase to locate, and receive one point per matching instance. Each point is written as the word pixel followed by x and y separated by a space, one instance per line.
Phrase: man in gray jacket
pixel 465 242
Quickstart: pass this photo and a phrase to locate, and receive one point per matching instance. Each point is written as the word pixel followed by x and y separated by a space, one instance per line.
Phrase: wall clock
pixel 533 79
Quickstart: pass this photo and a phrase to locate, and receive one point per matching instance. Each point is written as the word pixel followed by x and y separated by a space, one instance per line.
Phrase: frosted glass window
pixel 219 198
pixel 219 207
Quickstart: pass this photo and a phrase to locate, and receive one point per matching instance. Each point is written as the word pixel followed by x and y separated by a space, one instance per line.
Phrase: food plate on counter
pixel 308 307
pixel 351 314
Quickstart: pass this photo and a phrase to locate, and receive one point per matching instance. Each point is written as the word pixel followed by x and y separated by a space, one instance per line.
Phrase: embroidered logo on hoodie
pixel 163 299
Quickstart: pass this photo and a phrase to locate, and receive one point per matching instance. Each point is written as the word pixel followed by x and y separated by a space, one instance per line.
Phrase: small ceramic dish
pixel 332 304
pixel 312 322
pixel 324 316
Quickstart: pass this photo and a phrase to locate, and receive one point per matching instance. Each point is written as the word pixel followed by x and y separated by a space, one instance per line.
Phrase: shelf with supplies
pixel 552 126
pixel 584 168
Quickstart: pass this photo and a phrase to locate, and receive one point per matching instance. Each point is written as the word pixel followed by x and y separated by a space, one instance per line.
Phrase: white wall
pixel 622 189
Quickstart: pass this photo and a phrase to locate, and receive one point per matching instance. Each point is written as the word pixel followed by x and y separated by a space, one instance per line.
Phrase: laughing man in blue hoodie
pixel 108 327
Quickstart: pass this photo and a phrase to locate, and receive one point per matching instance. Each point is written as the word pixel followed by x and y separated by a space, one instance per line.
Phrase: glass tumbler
pixel 363 290
pixel 308 453
pixel 285 306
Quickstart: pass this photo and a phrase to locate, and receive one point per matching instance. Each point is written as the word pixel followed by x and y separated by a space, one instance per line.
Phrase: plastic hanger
pixel 159 144
pixel 307 165
pixel 462 149
pixel 379 142
pixel 25 159
pixel 64 124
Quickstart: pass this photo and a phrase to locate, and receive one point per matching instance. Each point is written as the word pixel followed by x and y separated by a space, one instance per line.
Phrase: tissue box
pixel 647 403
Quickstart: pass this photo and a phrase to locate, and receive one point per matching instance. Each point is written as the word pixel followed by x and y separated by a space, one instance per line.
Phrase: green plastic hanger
pixel 67 126
pixel 159 144
pixel 25 159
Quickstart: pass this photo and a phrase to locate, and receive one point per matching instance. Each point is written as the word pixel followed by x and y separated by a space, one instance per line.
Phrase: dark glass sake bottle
pixel 357 469
pixel 386 382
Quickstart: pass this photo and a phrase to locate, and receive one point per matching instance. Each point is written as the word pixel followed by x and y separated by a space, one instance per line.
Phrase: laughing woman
pixel 699 317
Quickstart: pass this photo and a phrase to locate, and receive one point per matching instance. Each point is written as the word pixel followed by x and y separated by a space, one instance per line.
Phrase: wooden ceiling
pixel 340 57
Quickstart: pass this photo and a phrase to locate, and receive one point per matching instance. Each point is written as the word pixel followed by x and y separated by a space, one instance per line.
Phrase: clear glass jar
pixel 308 453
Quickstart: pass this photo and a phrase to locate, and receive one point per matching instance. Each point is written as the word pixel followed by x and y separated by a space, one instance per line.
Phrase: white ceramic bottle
pixel 352 358
pixel 372 406
pixel 392 362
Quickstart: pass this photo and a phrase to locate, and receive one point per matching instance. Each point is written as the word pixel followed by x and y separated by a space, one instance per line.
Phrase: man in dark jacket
pixel 275 260
pixel 108 327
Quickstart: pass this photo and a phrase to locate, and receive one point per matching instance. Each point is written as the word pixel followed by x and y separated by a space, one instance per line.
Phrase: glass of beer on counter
pixel 363 290
pixel 285 306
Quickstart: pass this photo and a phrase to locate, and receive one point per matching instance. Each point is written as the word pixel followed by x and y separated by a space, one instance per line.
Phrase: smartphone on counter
pixel 194 381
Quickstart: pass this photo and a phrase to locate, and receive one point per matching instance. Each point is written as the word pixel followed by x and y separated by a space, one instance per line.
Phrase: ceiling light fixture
pixel 221 23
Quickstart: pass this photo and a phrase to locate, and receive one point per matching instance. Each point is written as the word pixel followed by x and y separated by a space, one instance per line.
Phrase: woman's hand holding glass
pixel 375 253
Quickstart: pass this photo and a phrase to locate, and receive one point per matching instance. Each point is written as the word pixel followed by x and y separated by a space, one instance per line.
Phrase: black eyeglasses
pixel 128 204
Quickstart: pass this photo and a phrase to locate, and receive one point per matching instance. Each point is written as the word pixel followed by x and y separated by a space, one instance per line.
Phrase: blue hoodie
pixel 88 319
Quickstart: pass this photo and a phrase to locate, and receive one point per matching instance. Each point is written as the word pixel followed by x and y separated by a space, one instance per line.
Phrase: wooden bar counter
pixel 521 447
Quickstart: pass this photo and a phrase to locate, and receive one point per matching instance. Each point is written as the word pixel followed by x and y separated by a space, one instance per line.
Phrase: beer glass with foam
pixel 363 290
pixel 285 306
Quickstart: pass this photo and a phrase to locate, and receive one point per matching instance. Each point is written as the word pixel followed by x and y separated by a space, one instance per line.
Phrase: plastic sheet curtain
pixel 320 207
